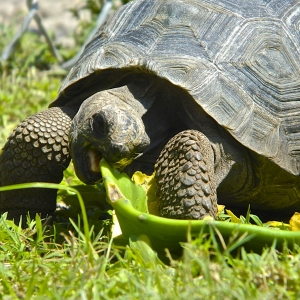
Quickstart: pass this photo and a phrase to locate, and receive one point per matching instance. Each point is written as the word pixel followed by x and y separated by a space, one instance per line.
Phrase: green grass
pixel 34 265
pixel 75 259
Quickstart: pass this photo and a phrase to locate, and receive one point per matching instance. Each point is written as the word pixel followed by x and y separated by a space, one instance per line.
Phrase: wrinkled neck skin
pixel 233 170
pixel 161 103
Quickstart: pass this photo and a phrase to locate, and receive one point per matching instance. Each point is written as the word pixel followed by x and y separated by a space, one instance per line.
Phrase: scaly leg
pixel 185 177
pixel 37 150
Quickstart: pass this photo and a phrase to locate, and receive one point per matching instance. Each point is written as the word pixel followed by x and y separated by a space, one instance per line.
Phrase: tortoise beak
pixel 86 161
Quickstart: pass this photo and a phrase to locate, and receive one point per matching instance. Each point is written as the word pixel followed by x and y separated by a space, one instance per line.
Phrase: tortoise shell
pixel 239 60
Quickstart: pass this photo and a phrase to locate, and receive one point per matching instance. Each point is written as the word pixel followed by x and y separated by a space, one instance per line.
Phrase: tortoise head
pixel 105 127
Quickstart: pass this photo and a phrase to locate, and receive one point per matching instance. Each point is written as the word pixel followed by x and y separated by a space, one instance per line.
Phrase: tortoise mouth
pixel 93 159
pixel 86 163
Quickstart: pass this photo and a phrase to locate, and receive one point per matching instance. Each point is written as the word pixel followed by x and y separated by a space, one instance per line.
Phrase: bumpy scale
pixel 185 177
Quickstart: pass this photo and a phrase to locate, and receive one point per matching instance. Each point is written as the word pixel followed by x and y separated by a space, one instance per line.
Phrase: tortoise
pixel 205 92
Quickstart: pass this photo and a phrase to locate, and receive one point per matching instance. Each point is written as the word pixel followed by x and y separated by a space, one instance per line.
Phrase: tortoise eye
pixel 100 125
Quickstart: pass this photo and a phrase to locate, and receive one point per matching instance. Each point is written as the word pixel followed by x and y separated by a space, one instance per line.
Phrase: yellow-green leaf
pixel 295 222
pixel 233 217
pixel 279 225
pixel 220 209
pixel 149 185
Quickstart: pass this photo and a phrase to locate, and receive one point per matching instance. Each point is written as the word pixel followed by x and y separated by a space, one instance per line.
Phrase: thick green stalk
pixel 163 233
pixel 168 233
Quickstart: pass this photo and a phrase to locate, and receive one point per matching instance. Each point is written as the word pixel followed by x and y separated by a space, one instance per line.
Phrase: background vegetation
pixel 59 262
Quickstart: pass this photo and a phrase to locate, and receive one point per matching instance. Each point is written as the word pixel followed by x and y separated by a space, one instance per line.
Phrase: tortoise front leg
pixel 37 150
pixel 185 177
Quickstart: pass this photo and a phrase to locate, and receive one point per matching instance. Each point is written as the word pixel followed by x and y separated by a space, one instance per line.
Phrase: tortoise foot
pixel 37 151
pixel 185 177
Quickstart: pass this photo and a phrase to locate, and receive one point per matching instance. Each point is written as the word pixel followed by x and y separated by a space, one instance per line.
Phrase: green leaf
pixel 128 190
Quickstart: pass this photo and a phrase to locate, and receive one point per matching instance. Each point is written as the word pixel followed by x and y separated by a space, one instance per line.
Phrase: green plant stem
pixel 167 233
